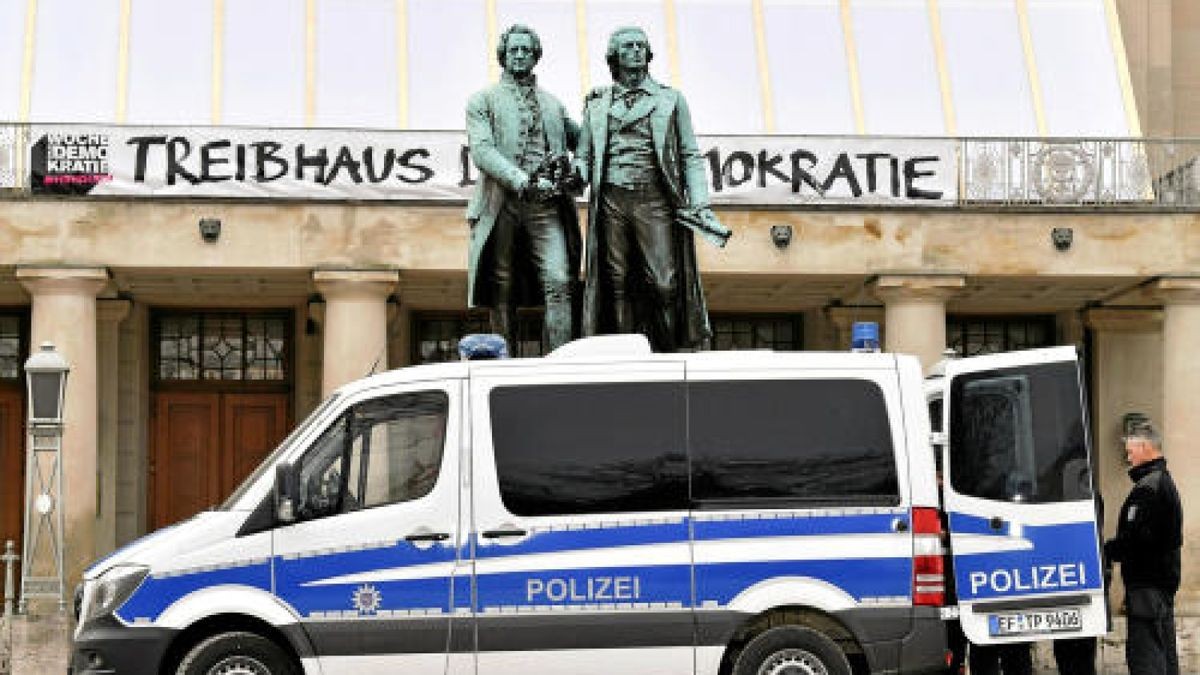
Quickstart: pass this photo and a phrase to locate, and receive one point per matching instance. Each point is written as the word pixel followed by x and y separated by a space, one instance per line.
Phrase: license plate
pixel 1035 621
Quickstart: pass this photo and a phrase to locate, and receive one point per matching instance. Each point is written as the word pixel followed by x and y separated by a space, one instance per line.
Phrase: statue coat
pixel 495 140
pixel 686 184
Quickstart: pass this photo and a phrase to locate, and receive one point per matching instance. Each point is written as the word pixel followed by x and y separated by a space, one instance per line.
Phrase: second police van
pixel 609 510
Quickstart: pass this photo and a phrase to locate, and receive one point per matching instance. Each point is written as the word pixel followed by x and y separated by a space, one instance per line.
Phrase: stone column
pixel 64 312
pixel 1180 421
pixel 355 324
pixel 1126 377
pixel 109 313
pixel 915 313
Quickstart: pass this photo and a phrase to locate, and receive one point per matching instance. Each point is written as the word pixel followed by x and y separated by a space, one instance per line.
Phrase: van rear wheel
pixel 792 650
pixel 236 653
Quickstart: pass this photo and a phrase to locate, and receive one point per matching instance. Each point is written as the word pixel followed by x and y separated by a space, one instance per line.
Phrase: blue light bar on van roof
pixel 864 336
pixel 482 346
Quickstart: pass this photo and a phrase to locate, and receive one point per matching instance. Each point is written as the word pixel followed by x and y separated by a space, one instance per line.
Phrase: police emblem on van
pixel 367 599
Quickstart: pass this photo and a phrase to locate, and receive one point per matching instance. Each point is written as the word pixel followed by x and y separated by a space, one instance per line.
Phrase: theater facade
pixel 219 226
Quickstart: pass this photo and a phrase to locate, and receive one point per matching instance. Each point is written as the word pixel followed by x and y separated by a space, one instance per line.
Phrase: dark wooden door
pixel 12 466
pixel 206 443
pixel 252 425
pixel 186 467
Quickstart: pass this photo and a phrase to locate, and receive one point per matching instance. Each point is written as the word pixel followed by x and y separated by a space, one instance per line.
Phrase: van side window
pixel 1017 435
pixel 590 448
pixel 382 451
pixel 791 440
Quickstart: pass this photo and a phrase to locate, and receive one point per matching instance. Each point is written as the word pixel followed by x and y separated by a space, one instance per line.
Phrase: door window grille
pixel 221 347
pixel 974 336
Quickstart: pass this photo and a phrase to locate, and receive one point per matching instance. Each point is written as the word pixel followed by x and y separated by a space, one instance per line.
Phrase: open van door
pixel 1019 497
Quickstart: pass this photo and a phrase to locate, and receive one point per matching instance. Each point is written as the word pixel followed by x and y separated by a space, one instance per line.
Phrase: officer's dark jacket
pixel 1150 530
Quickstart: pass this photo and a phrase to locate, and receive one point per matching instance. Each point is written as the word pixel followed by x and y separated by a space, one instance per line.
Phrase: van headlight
pixel 107 592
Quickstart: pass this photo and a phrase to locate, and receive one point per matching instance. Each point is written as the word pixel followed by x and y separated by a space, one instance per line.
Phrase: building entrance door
pixel 221 404
pixel 12 465
pixel 205 443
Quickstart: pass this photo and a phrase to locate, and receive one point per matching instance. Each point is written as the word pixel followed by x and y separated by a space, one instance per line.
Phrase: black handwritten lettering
pixel 464 160
pixel 801 175
pixel 911 174
pixel 766 165
pixel 344 160
pixel 843 169
pixel 142 145
pixel 714 168
pixel 318 161
pixel 178 149
pixel 424 173
pixel 746 160
pixel 208 161
pixel 267 152
pixel 389 159
pixel 871 158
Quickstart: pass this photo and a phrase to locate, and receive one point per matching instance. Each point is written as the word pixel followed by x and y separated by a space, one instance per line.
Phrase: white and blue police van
pixel 609 510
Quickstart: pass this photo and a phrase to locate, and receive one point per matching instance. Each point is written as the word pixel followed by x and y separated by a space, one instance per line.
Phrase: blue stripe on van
pixel 156 594
pixel 868 577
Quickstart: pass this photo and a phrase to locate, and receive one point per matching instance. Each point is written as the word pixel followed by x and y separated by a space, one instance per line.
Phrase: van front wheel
pixel 792 650
pixel 239 653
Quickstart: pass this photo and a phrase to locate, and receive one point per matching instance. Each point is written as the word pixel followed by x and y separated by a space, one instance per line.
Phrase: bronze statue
pixel 649 195
pixel 525 241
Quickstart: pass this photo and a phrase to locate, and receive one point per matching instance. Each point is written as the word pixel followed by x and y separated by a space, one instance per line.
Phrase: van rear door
pixel 1019 497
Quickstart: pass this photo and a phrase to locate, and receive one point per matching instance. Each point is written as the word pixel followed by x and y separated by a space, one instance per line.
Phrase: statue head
pixel 519 49
pixel 628 49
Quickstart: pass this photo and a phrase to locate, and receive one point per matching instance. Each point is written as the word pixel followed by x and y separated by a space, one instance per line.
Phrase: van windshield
pixel 274 456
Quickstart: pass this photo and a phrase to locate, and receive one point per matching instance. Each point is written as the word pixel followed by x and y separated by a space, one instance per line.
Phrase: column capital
pixel 348 283
pixel 890 287
pixel 112 310
pixel 1124 320
pixel 1178 290
pixel 63 280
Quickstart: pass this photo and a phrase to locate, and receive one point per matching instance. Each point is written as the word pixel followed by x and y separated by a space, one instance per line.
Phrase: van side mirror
pixel 286 493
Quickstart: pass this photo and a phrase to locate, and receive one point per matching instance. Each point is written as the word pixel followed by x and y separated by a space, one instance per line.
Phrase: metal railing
pixel 1138 173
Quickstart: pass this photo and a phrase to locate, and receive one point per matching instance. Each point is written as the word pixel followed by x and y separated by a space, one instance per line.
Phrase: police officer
pixel 1148 542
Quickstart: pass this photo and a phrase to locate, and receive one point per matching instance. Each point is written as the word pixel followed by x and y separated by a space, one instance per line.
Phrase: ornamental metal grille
pixel 221 346
pixel 1068 172
pixel 973 336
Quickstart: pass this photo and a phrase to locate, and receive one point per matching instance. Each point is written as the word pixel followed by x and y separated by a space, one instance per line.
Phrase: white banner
pixel 434 166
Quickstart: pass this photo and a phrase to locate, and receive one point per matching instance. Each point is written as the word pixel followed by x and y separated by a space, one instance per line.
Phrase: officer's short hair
pixel 1145 430
pixel 502 43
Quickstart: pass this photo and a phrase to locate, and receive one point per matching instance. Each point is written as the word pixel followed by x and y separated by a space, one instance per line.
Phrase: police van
pixel 609 510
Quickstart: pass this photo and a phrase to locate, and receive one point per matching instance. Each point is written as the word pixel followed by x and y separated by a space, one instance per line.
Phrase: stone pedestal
pixel 915 313
pixel 355 324
pixel 64 312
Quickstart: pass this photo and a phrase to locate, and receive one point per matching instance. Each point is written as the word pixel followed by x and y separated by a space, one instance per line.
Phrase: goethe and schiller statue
pixel 648 198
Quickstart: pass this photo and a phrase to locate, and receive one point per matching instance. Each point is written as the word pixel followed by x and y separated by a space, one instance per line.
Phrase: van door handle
pixel 497 534
pixel 997 523
pixel 428 536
